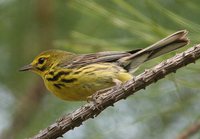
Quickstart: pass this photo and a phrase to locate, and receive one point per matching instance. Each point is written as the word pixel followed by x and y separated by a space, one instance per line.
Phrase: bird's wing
pixel 85 59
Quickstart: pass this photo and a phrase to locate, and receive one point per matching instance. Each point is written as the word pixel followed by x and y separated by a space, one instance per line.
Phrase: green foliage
pixel 163 110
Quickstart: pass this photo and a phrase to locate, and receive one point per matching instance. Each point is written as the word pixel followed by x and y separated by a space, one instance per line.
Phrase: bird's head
pixel 47 60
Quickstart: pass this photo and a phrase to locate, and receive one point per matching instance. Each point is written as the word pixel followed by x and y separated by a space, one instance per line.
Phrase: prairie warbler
pixel 75 77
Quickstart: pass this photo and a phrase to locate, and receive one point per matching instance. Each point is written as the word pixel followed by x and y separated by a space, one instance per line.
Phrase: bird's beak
pixel 25 68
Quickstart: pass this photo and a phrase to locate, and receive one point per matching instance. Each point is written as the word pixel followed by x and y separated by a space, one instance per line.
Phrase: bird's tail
pixel 168 44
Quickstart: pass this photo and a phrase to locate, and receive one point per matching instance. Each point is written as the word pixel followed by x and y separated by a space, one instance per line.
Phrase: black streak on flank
pixel 56 77
pixel 77 72
pixel 51 73
pixel 69 80
pixel 58 85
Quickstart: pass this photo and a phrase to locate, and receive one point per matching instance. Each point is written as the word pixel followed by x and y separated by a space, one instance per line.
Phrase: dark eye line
pixel 41 69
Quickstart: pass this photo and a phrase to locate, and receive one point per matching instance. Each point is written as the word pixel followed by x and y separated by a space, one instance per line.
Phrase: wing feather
pixel 100 57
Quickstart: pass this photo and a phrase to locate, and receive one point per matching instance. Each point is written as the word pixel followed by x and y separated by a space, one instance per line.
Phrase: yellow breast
pixel 79 83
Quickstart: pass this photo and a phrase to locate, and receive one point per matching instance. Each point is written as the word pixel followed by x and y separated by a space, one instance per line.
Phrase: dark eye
pixel 41 60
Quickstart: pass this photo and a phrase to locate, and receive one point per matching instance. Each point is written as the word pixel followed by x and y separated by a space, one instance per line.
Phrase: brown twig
pixel 116 93
pixel 194 128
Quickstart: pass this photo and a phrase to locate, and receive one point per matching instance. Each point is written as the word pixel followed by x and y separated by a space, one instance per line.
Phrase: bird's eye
pixel 41 60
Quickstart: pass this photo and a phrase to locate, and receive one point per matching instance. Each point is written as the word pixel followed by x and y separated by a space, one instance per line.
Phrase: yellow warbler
pixel 75 77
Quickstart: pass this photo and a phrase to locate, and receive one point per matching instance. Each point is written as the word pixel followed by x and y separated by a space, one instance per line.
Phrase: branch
pixel 116 93
pixel 194 128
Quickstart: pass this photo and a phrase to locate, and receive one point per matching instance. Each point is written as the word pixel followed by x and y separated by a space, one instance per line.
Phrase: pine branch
pixel 116 93
pixel 190 131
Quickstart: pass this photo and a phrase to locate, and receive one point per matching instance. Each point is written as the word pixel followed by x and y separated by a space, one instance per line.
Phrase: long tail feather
pixel 168 44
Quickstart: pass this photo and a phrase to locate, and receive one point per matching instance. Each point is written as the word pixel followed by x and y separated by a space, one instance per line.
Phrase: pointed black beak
pixel 25 68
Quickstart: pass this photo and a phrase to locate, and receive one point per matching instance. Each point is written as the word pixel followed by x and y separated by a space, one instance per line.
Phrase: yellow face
pixel 46 60
pixel 39 65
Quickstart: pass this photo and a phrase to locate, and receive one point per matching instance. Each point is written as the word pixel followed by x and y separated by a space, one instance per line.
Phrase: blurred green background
pixel 27 27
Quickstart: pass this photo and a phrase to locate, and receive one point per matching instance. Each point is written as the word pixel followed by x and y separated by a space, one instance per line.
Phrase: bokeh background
pixel 162 111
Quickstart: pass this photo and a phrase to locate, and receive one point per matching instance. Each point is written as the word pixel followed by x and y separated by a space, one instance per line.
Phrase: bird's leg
pixel 96 99
pixel 117 82
pixel 95 96
pixel 119 85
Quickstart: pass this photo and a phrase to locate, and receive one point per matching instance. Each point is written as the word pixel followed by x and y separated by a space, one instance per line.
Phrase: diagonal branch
pixel 190 131
pixel 116 93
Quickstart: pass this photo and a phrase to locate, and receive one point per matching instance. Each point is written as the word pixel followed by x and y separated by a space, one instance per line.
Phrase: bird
pixel 75 77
